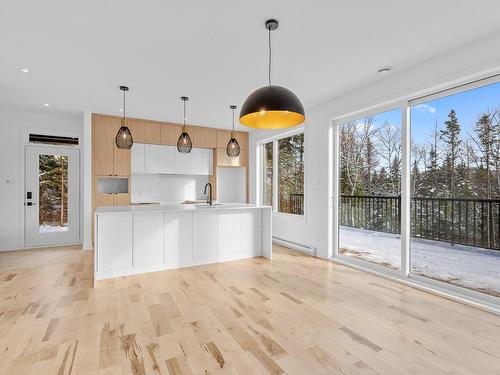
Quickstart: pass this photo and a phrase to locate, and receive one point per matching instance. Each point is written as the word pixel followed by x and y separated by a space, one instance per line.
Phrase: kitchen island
pixel 131 240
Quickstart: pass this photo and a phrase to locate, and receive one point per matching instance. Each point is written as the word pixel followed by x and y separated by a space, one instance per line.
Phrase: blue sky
pixel 466 104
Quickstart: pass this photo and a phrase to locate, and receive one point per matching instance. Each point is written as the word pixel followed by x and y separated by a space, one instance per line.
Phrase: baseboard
pixel 295 246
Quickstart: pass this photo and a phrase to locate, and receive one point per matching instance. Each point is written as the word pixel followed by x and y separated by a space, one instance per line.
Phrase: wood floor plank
pixel 296 314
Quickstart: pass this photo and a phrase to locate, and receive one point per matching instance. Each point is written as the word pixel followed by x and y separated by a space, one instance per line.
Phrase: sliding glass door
pixel 369 214
pixel 444 229
pixel 455 189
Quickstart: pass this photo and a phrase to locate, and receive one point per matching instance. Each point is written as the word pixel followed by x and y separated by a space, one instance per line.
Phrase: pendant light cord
pixel 184 118
pixel 270 58
pixel 124 104
pixel 233 119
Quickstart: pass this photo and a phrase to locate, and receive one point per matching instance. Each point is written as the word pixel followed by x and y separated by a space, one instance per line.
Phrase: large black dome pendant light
pixel 272 107
pixel 124 138
pixel 233 147
pixel 184 144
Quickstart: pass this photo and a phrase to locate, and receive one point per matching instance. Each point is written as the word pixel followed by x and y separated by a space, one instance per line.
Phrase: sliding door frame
pixel 402 275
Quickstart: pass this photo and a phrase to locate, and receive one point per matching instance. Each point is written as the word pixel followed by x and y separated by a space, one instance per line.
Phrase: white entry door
pixel 52 195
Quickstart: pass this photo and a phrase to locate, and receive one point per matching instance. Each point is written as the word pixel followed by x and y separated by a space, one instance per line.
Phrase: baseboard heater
pixel 295 246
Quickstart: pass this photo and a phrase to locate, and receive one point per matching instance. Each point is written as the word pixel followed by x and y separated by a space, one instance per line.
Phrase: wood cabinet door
pixel 242 138
pixel 103 200
pixel 223 160
pixel 104 133
pixel 169 133
pixel 152 133
pixel 204 137
pixel 137 129
pixel 121 161
pixel 223 137
pixel 121 199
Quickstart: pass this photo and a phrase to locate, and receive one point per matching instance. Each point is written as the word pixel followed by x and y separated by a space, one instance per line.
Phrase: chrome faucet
pixel 209 198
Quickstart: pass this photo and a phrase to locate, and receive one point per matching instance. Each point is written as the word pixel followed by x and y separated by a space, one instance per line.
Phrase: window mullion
pixel 405 190
pixel 275 175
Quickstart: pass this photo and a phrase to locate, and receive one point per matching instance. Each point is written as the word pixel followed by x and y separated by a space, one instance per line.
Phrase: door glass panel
pixel 291 174
pixel 53 193
pixel 370 186
pixel 267 178
pixel 455 182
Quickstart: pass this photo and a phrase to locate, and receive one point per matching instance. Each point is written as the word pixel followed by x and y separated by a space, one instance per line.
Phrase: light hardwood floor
pixel 297 315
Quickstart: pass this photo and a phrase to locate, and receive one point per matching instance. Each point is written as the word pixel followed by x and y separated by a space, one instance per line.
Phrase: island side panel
pixel 267 239
pixel 114 242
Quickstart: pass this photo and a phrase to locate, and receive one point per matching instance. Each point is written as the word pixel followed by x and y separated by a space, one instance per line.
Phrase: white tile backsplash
pixel 166 188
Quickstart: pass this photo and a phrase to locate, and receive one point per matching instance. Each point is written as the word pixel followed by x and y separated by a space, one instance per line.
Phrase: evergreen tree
pixel 451 138
pixel 487 135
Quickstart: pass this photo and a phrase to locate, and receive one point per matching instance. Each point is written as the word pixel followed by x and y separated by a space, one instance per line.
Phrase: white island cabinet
pixel 136 239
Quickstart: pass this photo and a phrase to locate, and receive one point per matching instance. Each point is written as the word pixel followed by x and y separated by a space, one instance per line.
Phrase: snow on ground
pixel 466 266
pixel 51 228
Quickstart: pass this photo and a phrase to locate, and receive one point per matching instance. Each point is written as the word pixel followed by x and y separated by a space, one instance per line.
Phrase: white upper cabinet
pixel 162 159
pixel 207 160
pixel 182 163
pixel 201 161
pixel 137 158
pixel 151 158
pixel 166 159
pixel 195 162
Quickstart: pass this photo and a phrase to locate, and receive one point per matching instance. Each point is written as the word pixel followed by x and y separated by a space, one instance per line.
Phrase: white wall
pixel 14 126
pixel 465 64
pixel 166 188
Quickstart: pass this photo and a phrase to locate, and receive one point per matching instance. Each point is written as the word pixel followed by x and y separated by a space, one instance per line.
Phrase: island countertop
pixel 176 208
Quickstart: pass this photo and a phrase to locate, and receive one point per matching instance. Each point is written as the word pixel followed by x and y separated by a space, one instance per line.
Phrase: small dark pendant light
pixel 124 138
pixel 233 148
pixel 272 107
pixel 184 144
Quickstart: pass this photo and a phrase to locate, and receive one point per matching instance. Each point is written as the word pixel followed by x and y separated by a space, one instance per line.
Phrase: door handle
pixel 30 204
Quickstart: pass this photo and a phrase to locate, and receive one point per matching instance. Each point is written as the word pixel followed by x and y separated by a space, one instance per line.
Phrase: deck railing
pixel 474 222
pixel 292 204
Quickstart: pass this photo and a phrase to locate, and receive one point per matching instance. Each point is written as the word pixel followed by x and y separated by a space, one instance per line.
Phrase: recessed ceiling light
pixel 121 110
pixel 385 69
pixel 46 104
pixel 24 70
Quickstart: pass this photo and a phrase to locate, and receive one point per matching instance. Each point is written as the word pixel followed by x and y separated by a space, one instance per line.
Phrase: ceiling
pixel 215 52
